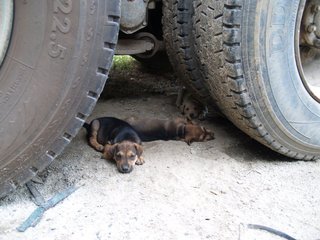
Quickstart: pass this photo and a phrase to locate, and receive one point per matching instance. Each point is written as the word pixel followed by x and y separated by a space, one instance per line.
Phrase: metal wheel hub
pixel 307 46
pixel 6 19
pixel 311 24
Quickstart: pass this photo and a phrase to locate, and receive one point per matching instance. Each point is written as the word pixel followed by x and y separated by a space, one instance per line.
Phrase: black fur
pixel 113 130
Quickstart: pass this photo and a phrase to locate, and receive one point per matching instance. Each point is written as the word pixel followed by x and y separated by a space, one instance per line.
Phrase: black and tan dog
pixel 117 140
pixel 189 106
pixel 178 129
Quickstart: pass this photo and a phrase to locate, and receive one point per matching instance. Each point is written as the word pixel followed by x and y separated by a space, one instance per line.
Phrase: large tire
pixel 55 68
pixel 255 72
pixel 179 43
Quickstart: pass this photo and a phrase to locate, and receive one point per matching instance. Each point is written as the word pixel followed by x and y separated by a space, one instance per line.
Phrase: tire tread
pixel 178 36
pixel 94 88
pixel 226 76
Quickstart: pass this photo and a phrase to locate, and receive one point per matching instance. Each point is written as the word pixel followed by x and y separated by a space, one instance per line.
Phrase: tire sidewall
pixel 277 91
pixel 54 71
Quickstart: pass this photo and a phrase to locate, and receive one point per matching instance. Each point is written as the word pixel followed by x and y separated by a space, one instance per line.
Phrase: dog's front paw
pixel 140 161
pixel 100 148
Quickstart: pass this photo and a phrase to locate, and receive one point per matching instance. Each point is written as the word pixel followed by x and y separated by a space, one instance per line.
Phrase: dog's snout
pixel 191 115
pixel 125 168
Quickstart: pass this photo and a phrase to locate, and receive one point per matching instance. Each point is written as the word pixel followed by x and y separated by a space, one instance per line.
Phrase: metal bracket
pixel 142 44
pixel 133 46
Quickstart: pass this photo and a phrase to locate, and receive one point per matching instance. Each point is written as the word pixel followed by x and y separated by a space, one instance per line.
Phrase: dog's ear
pixel 109 151
pixel 139 149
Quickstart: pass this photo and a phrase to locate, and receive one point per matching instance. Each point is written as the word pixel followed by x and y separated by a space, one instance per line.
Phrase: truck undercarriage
pixel 255 62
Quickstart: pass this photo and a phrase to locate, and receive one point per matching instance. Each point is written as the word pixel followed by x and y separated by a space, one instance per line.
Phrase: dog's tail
pixel 86 126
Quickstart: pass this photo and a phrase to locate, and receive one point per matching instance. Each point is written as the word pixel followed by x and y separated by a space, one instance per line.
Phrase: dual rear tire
pixel 248 53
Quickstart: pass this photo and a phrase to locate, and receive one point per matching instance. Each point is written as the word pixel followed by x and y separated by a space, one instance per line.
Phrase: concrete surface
pixel 204 191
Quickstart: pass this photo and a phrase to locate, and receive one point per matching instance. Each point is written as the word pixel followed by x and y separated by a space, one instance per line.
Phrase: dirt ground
pixel 208 190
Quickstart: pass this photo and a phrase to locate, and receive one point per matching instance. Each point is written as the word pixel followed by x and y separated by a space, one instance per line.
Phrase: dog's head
pixel 125 154
pixel 191 108
pixel 196 133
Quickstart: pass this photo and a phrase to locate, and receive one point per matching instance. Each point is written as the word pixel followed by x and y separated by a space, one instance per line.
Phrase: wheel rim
pixel 6 18
pixel 307 46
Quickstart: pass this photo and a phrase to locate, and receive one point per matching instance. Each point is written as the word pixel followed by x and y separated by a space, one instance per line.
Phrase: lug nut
pixel 311 28
pixel 316 8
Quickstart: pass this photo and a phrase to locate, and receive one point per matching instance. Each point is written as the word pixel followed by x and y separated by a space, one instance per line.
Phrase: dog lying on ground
pixel 117 140
pixel 178 129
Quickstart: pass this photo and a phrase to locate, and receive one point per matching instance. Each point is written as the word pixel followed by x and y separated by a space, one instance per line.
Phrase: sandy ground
pixel 204 191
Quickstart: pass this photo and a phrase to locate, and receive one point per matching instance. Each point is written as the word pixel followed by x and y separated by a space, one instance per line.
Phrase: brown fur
pixel 177 129
pixel 93 139
pixel 117 140
pixel 126 154
pixel 189 107
pixel 197 133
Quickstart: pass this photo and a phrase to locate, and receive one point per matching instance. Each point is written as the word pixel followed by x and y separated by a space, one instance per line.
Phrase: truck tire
pixel 259 82
pixel 54 70
pixel 179 43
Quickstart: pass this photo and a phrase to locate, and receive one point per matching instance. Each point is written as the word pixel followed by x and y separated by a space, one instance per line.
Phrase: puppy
pixel 117 140
pixel 178 129
pixel 190 107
